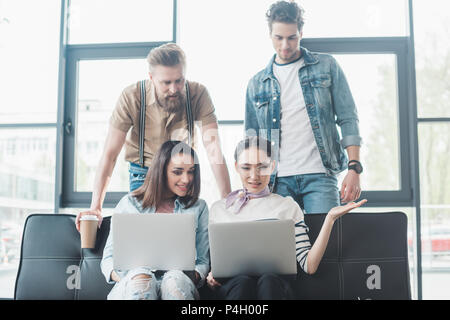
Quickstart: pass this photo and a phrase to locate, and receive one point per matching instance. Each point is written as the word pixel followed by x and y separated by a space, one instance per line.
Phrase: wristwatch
pixel 355 165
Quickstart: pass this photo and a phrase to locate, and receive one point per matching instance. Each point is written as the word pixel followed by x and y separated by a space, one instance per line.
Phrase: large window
pixel 29 61
pixel 105 53
pixel 29 55
pixel 228 54
pixel 373 81
pixel 96 99
pixel 431 27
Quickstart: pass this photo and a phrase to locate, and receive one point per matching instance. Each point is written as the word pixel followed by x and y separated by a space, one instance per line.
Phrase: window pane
pixel 29 54
pixel 245 46
pixel 230 135
pixel 435 211
pixel 354 18
pixel 236 50
pixel 27 175
pixel 432 51
pixel 97 96
pixel 105 21
pixel 373 82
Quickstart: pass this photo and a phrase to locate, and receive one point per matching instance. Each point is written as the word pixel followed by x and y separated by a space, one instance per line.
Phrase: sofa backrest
pixel 53 265
pixel 366 258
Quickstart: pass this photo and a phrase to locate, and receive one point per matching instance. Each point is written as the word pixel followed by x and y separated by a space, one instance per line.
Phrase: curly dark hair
pixel 286 12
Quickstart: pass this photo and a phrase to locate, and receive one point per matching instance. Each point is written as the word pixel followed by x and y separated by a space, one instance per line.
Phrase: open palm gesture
pixel 339 211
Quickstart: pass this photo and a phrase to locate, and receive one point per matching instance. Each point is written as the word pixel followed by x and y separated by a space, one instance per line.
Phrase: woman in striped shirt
pixel 255 201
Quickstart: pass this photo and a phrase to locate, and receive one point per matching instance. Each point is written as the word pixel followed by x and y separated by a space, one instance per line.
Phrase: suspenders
pixel 142 124
pixel 189 118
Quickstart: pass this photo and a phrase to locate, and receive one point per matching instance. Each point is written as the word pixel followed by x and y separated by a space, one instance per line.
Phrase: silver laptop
pixel 159 241
pixel 252 248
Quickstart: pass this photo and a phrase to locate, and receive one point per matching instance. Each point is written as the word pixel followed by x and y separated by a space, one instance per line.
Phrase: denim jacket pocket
pixel 321 88
pixel 321 81
pixel 261 102
pixel 262 110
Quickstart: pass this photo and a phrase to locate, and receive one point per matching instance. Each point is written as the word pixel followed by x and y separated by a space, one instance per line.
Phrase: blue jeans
pixel 137 175
pixel 315 193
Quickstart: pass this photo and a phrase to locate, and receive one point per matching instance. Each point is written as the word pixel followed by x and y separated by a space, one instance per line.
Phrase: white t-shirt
pixel 299 153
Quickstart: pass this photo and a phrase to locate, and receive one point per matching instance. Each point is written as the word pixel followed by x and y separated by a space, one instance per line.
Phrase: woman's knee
pixel 269 278
pixel 240 287
pixel 272 286
pixel 142 276
pixel 176 285
pixel 141 287
pixel 244 280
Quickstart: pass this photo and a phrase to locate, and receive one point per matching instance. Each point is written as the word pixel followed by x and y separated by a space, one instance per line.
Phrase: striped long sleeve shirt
pixel 273 206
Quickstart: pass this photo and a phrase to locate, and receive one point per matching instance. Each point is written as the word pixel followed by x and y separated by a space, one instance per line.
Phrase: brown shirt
pixel 160 126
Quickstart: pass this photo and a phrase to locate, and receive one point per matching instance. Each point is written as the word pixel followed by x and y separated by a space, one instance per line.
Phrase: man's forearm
pixel 101 182
pixel 353 152
pixel 219 168
pixel 220 171
pixel 211 141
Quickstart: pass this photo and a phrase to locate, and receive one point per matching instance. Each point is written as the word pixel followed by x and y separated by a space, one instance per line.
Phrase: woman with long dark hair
pixel 172 186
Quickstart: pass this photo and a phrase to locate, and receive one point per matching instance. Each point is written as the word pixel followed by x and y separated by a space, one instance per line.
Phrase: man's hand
pixel 97 213
pixel 212 283
pixel 351 188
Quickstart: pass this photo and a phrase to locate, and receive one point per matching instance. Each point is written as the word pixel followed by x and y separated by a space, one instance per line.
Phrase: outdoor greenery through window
pixel 431 27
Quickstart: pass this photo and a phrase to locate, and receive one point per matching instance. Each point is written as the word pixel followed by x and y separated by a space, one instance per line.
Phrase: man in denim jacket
pixel 296 102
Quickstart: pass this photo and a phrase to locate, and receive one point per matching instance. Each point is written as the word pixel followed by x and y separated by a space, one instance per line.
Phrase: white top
pixel 298 148
pixel 273 206
pixel 89 217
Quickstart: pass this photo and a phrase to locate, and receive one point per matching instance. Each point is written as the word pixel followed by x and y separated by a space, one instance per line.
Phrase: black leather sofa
pixel 367 258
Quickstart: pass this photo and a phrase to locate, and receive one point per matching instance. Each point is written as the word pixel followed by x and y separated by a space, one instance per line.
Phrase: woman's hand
pixel 212 283
pixel 338 212
pixel 114 276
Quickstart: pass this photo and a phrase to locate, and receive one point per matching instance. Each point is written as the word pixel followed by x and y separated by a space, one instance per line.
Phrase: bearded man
pixel 150 112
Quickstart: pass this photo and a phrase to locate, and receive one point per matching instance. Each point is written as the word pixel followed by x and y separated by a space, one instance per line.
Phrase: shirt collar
pixel 307 56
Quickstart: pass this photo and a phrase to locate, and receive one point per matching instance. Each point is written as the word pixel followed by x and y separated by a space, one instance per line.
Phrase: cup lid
pixel 89 217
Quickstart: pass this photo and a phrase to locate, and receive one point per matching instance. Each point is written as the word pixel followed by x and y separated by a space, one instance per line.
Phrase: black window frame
pixel 67 110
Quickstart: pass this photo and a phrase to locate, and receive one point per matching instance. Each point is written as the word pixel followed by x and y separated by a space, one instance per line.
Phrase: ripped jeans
pixel 142 284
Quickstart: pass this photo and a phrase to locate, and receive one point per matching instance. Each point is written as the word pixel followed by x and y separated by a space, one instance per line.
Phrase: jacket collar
pixel 308 57
pixel 179 204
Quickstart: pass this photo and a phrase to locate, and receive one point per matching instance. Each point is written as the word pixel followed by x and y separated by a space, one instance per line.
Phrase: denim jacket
pixel 328 102
pixel 129 204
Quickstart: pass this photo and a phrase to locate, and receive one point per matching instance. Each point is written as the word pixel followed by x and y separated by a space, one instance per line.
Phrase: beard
pixel 172 103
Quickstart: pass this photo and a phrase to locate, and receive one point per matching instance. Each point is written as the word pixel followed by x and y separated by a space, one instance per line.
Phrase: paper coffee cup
pixel 88 231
